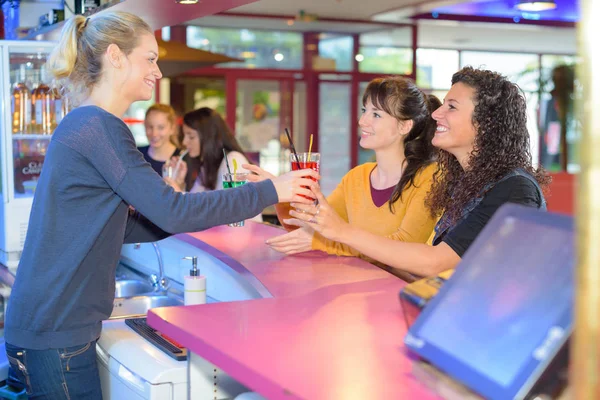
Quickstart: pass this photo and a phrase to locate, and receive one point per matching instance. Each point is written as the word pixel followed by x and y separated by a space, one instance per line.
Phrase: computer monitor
pixel 504 315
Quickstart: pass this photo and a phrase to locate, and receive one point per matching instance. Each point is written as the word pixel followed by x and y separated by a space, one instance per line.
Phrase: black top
pixel 517 189
pixel 156 165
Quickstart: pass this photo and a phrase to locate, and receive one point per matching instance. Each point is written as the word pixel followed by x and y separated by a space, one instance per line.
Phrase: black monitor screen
pixel 506 305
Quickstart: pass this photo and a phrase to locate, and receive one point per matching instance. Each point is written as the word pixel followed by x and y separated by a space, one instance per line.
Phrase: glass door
pixel 364 155
pixel 35 111
pixel 334 133
pixel 264 110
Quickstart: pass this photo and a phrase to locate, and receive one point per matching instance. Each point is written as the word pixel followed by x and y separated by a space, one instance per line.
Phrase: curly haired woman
pixel 484 162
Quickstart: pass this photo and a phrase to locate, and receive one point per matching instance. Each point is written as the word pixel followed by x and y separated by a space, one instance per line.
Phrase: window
pixel 386 60
pixel 166 33
pixel 257 49
pixel 435 68
pixel 338 48
pixel 387 52
pixel 334 133
pixel 137 111
pixel 524 70
pixel 364 155
pixel 558 81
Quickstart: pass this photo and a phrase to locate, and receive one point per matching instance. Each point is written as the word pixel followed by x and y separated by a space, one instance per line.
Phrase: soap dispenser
pixel 194 287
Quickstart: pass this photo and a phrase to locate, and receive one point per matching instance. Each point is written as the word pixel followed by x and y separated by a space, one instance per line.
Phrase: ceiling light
pixel 186 1
pixel 535 5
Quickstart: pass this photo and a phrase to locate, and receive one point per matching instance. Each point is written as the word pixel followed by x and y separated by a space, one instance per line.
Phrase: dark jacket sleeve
pixel 140 230
pixel 133 179
pixel 518 190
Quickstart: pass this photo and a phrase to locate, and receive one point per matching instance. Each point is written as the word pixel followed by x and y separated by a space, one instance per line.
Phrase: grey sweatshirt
pixel 79 221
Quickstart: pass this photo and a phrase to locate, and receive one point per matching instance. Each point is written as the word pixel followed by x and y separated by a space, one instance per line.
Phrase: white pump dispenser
pixel 194 286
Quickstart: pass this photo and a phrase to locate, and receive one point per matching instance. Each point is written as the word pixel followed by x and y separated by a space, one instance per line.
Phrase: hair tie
pixel 86 22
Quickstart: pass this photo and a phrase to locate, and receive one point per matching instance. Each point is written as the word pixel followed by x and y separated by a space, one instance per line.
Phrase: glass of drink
pixel 168 170
pixel 302 161
pixel 234 180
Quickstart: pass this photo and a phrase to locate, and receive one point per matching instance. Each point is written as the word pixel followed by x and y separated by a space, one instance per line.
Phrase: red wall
pixel 561 193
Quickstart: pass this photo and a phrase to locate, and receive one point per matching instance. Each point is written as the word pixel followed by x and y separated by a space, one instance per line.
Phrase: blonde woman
pixel 92 173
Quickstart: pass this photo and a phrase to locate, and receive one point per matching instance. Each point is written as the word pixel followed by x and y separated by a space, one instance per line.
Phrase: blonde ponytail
pixel 76 62
pixel 61 61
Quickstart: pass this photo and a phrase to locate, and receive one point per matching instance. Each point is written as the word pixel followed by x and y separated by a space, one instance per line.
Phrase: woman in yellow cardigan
pixel 386 197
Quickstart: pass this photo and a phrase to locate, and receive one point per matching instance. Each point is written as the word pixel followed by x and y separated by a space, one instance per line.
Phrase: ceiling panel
pixel 343 9
pixel 566 10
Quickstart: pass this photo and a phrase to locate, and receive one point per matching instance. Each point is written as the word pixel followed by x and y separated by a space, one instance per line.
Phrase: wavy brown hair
pixel 501 144
pixel 402 99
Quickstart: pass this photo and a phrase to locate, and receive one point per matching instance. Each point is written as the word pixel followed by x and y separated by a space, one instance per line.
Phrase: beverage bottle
pixel 28 161
pixel 43 105
pixel 61 107
pixel 21 104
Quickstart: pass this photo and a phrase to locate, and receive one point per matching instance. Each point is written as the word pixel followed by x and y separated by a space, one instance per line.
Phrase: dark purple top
pixel 380 197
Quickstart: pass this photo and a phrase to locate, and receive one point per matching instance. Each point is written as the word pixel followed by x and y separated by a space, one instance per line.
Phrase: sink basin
pixel 139 305
pixel 131 287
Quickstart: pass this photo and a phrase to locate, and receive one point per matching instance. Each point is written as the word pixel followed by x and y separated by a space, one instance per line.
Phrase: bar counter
pixel 328 328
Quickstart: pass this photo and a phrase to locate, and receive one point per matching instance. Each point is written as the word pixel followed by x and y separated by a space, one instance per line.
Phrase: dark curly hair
pixel 402 99
pixel 501 144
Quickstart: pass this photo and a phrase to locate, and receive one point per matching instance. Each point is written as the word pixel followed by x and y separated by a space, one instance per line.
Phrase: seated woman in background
pixel 386 197
pixel 205 136
pixel 484 162
pixel 161 126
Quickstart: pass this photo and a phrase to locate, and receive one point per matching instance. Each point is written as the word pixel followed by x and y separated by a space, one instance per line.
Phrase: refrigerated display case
pixel 30 112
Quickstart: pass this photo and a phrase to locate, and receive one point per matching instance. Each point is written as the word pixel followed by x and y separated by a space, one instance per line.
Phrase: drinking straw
pixel 287 132
pixel 235 166
pixel 226 162
pixel 179 163
pixel 310 146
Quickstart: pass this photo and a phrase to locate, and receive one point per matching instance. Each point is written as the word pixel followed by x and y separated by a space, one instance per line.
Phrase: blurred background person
pixel 206 138
pixel 161 130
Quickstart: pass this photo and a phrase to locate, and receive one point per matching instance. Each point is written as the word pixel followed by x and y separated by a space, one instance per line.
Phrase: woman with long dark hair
pixel 484 161
pixel 206 137
pixel 385 197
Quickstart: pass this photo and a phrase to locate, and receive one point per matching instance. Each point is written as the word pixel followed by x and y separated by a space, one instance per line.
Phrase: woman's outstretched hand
pixel 297 241
pixel 292 186
pixel 321 218
pixel 259 174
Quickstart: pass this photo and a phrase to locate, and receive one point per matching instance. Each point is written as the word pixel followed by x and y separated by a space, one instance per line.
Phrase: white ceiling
pixel 344 9
pixel 380 10
pixel 223 20
pixel 440 34
pixel 327 12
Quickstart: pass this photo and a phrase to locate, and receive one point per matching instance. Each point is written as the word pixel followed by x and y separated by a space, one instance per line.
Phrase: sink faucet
pixel 160 282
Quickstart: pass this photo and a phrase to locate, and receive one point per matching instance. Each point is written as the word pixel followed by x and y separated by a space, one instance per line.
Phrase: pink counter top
pixel 333 329
pixel 246 251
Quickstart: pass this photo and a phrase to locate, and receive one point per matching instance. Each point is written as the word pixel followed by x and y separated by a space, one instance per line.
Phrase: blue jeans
pixel 68 373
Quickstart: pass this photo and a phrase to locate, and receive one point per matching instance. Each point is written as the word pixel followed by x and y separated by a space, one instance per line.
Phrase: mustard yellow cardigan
pixel 410 222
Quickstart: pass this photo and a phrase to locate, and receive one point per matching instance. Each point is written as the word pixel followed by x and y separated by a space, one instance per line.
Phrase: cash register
pixel 500 325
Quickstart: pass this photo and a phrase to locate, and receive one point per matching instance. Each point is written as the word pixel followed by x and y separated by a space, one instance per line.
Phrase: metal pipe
pixel 585 362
